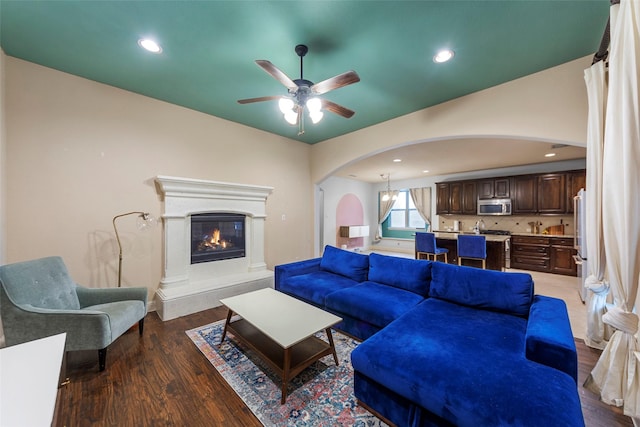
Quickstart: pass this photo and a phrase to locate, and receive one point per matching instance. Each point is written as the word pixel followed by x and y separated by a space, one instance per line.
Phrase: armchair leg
pixel 141 325
pixel 102 358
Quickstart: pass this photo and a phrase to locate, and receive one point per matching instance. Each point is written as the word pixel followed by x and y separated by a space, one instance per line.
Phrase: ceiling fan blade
pixel 260 99
pixel 277 74
pixel 336 82
pixel 337 109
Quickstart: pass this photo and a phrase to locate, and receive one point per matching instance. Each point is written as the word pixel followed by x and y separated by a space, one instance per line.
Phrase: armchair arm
pixel 95 296
pixel 549 339
pixel 284 271
pixel 86 330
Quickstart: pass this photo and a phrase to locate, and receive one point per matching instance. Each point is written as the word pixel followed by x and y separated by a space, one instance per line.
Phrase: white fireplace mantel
pixel 187 288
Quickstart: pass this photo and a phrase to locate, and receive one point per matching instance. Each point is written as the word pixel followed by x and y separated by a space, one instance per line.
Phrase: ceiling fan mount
pixel 302 50
pixel 304 93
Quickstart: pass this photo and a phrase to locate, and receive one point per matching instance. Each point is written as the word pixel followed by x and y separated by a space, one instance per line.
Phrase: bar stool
pixel 472 247
pixel 426 245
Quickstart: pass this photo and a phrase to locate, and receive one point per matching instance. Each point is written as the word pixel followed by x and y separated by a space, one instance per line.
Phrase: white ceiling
pixel 455 156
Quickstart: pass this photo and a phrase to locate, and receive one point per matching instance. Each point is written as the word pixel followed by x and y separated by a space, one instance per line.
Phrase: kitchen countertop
pixel 453 235
pixel 569 236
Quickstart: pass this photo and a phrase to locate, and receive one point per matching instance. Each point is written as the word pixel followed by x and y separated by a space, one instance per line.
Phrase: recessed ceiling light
pixel 550 154
pixel 443 56
pixel 397 160
pixel 425 171
pixel 150 45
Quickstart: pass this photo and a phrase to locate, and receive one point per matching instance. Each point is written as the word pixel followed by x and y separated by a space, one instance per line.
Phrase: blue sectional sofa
pixel 446 345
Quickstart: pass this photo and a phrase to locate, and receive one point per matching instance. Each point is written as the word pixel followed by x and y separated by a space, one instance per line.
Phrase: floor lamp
pixel 144 221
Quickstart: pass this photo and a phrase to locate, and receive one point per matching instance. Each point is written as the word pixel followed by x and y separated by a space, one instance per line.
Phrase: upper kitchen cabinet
pixel 575 181
pixel 552 193
pixel 469 203
pixel 494 188
pixel 542 194
pixel 443 190
pixel 457 198
pixel 525 194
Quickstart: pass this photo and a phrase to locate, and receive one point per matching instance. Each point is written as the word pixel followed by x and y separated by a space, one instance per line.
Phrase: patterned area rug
pixel 322 395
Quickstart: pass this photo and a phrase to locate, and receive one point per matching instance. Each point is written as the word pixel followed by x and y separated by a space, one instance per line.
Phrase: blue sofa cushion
pixel 349 264
pixel 377 304
pixel 468 367
pixel 404 273
pixel 474 287
pixel 549 339
pixel 314 287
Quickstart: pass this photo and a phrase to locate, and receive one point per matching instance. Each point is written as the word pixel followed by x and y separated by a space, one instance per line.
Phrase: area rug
pixel 322 395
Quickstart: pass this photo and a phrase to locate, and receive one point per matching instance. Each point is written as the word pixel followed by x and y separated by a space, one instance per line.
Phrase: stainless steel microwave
pixel 494 207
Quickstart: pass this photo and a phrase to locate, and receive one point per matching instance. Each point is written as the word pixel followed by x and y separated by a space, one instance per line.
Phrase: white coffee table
pixel 280 329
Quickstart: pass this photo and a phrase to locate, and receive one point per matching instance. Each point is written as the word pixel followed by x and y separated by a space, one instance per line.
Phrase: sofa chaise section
pixel 481 351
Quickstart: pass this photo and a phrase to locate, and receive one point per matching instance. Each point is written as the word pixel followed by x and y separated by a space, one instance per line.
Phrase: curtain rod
pixel 603 51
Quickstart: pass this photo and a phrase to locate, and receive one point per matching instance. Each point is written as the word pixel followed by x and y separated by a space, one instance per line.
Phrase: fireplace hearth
pixel 216 237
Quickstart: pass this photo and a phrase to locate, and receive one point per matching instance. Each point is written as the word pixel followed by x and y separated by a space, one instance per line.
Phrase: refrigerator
pixel 580 241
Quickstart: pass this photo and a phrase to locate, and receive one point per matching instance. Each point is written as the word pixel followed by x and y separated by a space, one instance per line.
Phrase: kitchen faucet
pixel 476 228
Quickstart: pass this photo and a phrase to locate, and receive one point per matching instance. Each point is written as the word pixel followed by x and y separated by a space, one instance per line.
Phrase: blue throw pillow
pixel 353 265
pixel 474 287
pixel 405 273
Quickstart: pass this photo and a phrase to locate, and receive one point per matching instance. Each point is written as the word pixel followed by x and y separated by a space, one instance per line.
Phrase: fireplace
pixel 225 223
pixel 217 236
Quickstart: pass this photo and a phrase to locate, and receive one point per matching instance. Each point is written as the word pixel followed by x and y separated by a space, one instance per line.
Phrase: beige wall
pixel 80 152
pixel 550 106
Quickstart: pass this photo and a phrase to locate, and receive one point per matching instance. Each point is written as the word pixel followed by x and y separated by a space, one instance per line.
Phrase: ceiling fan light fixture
pixel 291 117
pixel 316 116
pixel 286 105
pixel 443 56
pixel 314 105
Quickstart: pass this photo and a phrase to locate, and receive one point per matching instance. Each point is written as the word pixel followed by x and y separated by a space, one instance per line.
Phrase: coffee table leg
pixel 285 374
pixel 333 347
pixel 224 332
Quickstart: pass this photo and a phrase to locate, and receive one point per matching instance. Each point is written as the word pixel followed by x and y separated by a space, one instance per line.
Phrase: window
pixel 404 213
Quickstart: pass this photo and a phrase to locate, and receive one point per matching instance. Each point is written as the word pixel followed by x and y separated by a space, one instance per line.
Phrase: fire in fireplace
pixel 217 236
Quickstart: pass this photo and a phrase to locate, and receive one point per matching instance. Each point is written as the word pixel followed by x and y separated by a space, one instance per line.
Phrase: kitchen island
pixel 496 248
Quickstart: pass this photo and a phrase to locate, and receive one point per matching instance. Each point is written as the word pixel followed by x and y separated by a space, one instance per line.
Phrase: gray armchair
pixel 38 298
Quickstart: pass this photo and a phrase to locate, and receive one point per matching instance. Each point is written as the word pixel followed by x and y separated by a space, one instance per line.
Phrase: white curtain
pixel 616 375
pixel 384 208
pixel 422 200
pixel 597 332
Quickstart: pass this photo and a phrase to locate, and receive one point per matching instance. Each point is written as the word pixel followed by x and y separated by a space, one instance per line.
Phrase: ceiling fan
pixel 302 93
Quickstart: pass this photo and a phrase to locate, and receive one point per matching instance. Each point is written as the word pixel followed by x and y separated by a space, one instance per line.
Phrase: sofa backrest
pixel 405 273
pixel 43 283
pixel 350 264
pixel 474 287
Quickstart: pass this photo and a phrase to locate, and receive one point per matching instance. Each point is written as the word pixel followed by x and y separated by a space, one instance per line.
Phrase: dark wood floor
pixel 163 379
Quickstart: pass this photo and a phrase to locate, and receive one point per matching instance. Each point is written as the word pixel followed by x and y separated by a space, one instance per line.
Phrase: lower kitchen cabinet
pixel 530 253
pixel 545 254
pixel 561 255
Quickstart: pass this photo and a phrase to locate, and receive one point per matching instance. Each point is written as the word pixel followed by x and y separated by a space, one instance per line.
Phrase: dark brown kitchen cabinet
pixel 486 189
pixel 530 253
pixel 561 255
pixel 575 181
pixel 546 254
pixel 455 198
pixel 443 190
pixel 552 193
pixel 525 200
pixel 540 194
pixel 469 203
pixel 494 188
